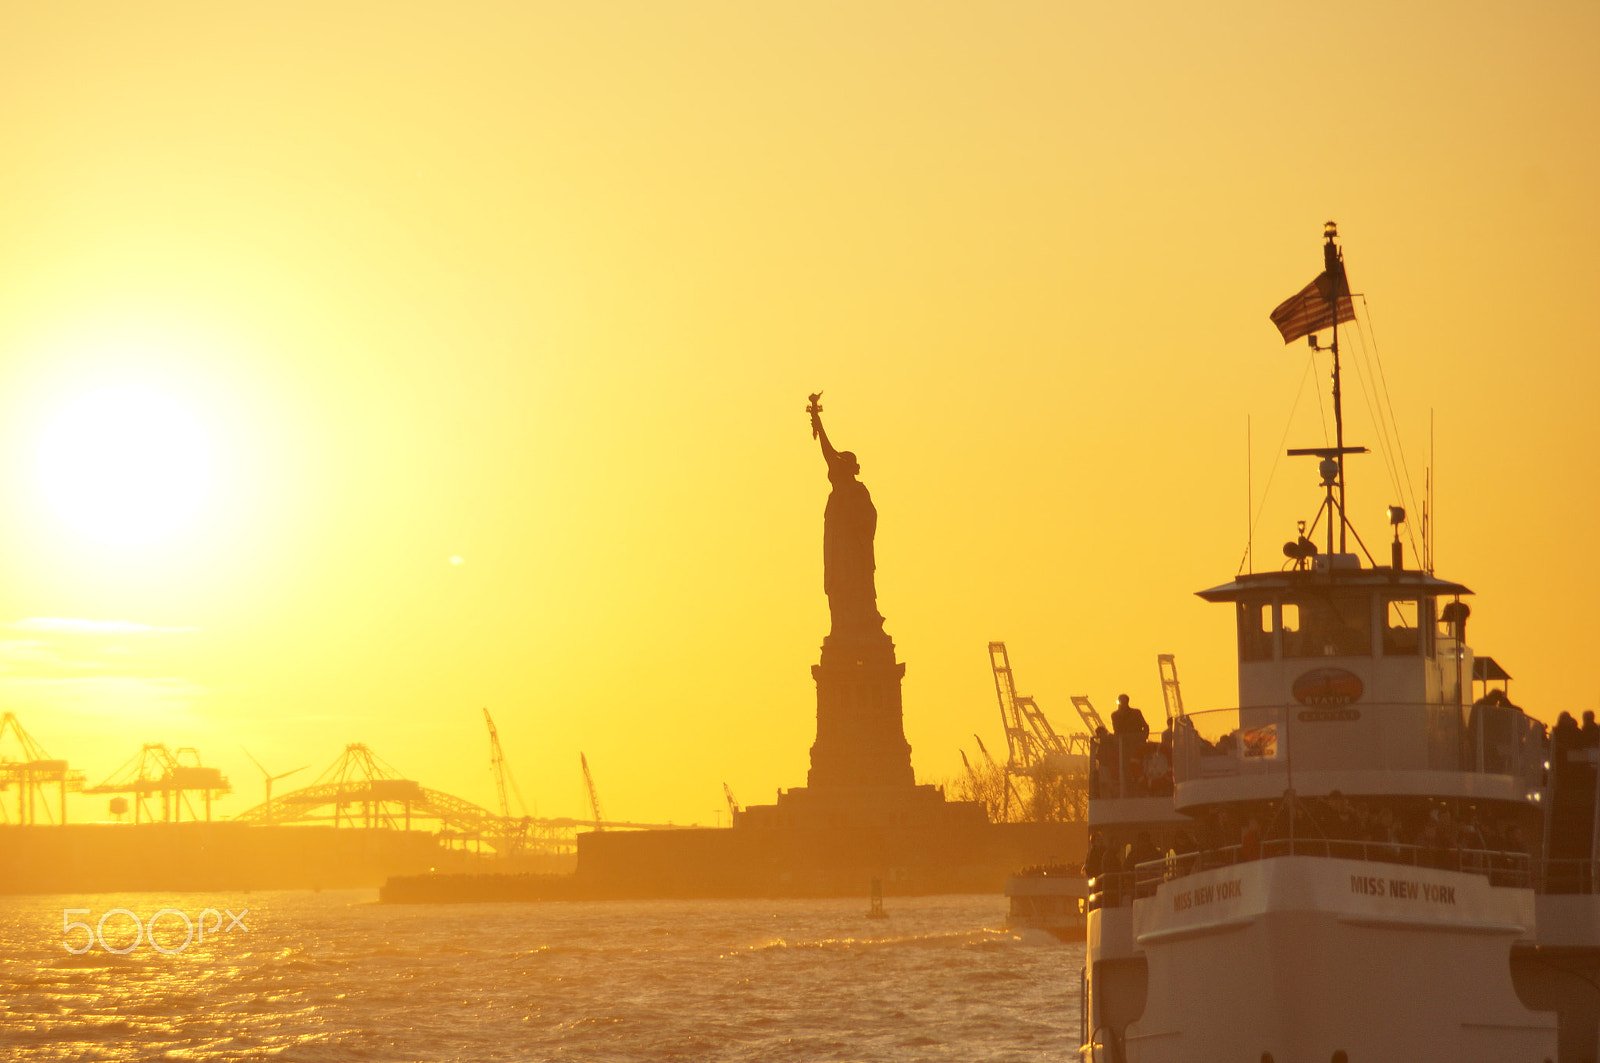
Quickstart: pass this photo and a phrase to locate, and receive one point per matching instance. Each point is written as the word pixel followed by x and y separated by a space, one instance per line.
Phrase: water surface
pixel 334 976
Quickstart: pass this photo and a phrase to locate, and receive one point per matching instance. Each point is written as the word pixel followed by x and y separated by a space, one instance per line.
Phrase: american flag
pixel 1311 308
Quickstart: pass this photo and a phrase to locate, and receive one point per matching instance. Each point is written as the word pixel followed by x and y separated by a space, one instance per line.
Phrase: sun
pixel 125 465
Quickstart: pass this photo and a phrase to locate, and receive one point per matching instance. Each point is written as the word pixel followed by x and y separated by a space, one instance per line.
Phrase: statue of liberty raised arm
pixel 848 525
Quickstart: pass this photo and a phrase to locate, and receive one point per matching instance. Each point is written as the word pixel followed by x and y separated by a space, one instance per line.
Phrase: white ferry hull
pixel 1298 958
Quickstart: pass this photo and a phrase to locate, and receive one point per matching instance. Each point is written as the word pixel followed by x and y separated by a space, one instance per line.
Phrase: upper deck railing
pixel 1285 740
pixel 1366 736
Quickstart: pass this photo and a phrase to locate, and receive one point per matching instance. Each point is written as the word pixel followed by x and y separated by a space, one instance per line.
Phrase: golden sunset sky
pixel 543 288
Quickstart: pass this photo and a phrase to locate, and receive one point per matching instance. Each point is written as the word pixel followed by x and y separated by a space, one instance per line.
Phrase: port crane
pixel 1055 765
pixel 1032 742
pixel 515 828
pixel 30 771
pixel 172 773
pixel 594 796
pixel 1087 713
pixel 1171 693
pixel 362 791
pixel 502 774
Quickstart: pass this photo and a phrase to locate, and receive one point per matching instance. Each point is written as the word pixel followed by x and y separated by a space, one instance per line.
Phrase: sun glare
pixel 125 466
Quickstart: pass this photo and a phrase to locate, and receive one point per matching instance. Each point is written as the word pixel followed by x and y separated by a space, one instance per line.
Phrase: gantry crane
pixel 30 772
pixel 173 774
pixel 1030 737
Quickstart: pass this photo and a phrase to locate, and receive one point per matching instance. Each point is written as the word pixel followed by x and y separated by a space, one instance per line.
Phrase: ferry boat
pixel 1374 856
pixel 1048 900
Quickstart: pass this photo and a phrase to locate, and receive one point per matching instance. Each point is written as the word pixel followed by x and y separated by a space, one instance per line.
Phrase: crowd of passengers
pixel 1127 762
pixel 1569 734
pixel 1425 833
pixel 1572 803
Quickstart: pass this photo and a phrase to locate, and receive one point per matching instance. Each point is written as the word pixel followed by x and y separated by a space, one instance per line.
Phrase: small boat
pixel 1051 898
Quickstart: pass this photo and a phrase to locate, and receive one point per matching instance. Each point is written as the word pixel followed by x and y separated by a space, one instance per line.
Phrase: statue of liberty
pixel 849 524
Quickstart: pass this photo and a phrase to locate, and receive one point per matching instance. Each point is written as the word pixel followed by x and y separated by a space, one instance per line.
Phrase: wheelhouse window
pixel 1405 628
pixel 1255 631
pixel 1328 626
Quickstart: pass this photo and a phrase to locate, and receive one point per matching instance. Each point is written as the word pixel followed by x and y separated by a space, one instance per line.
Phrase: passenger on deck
pixel 1157 772
pixel 1105 759
pixel 1565 736
pixel 1095 862
pixel 1129 725
pixel 1385 830
pixel 1250 840
pixel 1186 848
pixel 1339 822
pixel 1129 721
pixel 1591 731
pixel 1142 851
pixel 1511 839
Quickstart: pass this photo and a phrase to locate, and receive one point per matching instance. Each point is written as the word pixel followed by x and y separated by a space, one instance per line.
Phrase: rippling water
pixel 335 976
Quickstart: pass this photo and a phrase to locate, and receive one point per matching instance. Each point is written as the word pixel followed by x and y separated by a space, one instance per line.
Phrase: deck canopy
pixel 1298 581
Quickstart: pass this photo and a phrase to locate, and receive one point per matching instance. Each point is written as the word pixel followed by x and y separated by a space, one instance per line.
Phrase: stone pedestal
pixel 861 740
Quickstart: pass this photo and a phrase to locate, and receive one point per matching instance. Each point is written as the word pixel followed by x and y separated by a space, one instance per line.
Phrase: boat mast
pixel 1321 303
pixel 1333 264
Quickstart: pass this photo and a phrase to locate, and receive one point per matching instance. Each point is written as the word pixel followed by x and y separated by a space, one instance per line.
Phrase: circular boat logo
pixel 1326 687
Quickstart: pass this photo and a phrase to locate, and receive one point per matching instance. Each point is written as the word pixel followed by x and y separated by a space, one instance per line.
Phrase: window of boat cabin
pixel 1255 631
pixel 1328 625
pixel 1407 627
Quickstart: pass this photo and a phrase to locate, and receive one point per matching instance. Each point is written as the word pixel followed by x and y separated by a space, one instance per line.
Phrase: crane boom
pixel 1086 711
pixel 1029 736
pixel 594 796
pixel 497 764
pixel 1171 693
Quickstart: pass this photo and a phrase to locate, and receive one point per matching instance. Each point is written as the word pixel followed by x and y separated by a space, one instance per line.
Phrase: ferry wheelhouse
pixel 1374 856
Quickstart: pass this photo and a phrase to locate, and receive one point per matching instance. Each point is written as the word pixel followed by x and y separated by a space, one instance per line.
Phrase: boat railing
pixel 1511 869
pixel 1380 736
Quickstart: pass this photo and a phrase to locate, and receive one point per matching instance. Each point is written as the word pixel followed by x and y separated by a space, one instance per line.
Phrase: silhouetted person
pixel 1591 731
pixel 1142 851
pixel 1158 771
pixel 1094 864
pixel 1131 730
pixel 1250 840
pixel 1339 824
pixel 1127 720
pixel 1565 735
pixel 1105 759
pixel 849 524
